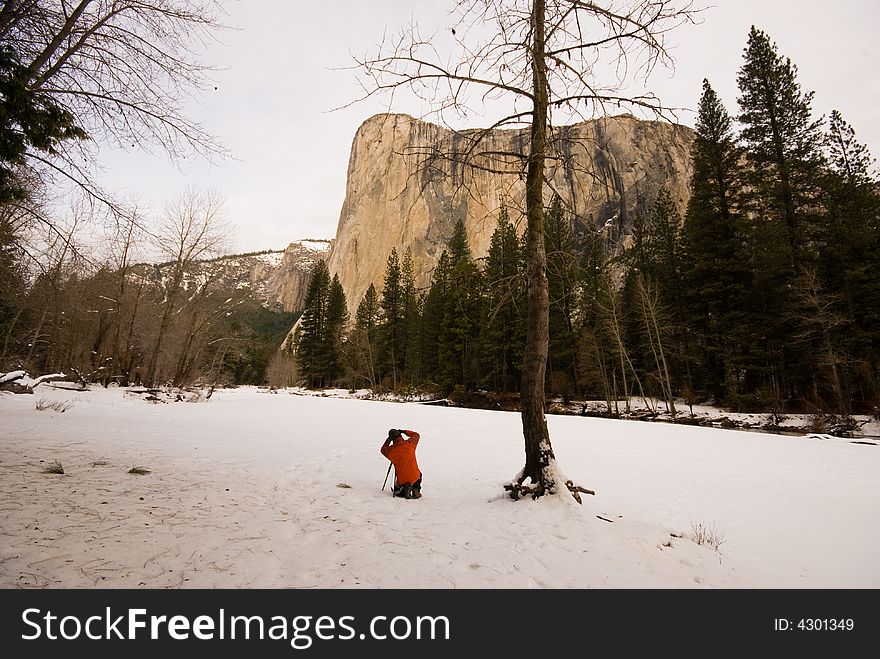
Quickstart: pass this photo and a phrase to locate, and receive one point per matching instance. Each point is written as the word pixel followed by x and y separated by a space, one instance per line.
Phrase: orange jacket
pixel 402 454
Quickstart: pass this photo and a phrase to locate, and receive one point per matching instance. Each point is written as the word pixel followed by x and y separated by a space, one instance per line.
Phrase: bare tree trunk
pixel 539 453
pixel 170 300
pixel 613 317
pixel 649 302
pixel 370 367
pixel 600 361
pixel 37 333
pixel 129 360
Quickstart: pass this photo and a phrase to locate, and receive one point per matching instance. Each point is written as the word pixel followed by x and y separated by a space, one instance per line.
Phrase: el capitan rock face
pixel 609 171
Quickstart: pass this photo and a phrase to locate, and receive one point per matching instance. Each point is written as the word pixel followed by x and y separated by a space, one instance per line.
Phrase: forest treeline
pixel 75 294
pixel 762 294
pixel 100 314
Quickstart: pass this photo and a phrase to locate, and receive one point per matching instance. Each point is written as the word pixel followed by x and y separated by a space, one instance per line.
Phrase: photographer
pixel 400 449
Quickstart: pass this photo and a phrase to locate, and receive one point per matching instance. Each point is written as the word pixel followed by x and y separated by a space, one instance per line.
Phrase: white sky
pixel 287 178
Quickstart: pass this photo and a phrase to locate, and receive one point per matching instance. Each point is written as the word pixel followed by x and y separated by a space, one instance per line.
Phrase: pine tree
pixel 850 230
pixel 434 309
pixel 664 249
pixel 782 141
pixel 30 120
pixel 310 339
pixel 411 320
pixel 459 247
pixel 337 318
pixel 392 332
pixel 655 293
pixel 504 330
pixel 595 347
pixel 717 278
pixel 364 337
pixel 850 236
pixel 563 280
pixel 782 150
pixel 458 345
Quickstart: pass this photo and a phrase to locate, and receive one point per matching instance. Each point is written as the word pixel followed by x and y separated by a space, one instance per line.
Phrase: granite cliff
pixel 608 171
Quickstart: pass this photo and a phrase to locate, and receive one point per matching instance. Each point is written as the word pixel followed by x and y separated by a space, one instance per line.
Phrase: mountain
pixel 276 280
pixel 403 193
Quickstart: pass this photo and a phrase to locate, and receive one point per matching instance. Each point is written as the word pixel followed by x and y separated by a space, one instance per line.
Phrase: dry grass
pixel 707 534
pixel 54 468
pixel 55 405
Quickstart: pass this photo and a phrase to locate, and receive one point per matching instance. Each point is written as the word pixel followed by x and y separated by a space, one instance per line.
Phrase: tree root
pixel 576 489
pixel 540 489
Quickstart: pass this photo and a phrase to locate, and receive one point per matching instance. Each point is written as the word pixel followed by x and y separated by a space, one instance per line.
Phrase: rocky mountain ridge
pixel 277 279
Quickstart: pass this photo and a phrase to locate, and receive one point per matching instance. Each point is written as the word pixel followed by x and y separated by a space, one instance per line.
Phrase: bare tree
pixel 656 332
pixel 821 322
pixel 194 228
pixel 611 314
pixel 534 57
pixel 123 70
pixel 49 299
pixel 125 249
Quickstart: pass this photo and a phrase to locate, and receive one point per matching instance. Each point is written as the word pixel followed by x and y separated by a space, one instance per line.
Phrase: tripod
pixel 386 479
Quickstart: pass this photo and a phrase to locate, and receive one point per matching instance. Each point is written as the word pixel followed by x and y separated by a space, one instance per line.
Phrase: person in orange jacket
pixel 400 449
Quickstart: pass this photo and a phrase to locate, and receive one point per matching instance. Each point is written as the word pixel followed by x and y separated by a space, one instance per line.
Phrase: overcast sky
pixel 278 83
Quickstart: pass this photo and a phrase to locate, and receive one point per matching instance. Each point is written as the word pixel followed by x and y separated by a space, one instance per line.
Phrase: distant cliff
pixel 276 279
pixel 288 281
pixel 608 171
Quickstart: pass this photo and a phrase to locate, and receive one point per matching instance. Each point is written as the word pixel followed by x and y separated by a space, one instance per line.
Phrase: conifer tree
pixel 310 339
pixel 850 236
pixel 664 249
pixel 782 141
pixel 392 333
pixel 595 347
pixel 850 231
pixel 716 276
pixel 434 309
pixel 563 280
pixel 411 320
pixel 459 247
pixel 364 336
pixel 337 318
pixel 458 345
pixel 667 279
pixel 782 151
pixel 504 330
pixel 30 120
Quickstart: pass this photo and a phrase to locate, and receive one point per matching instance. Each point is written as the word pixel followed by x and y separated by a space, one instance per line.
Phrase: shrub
pixel 54 468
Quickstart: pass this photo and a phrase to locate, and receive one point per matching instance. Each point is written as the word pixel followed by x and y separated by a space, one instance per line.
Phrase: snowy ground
pixel 258 489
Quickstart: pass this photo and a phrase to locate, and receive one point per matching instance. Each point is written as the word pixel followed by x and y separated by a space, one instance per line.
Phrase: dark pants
pixel 400 490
